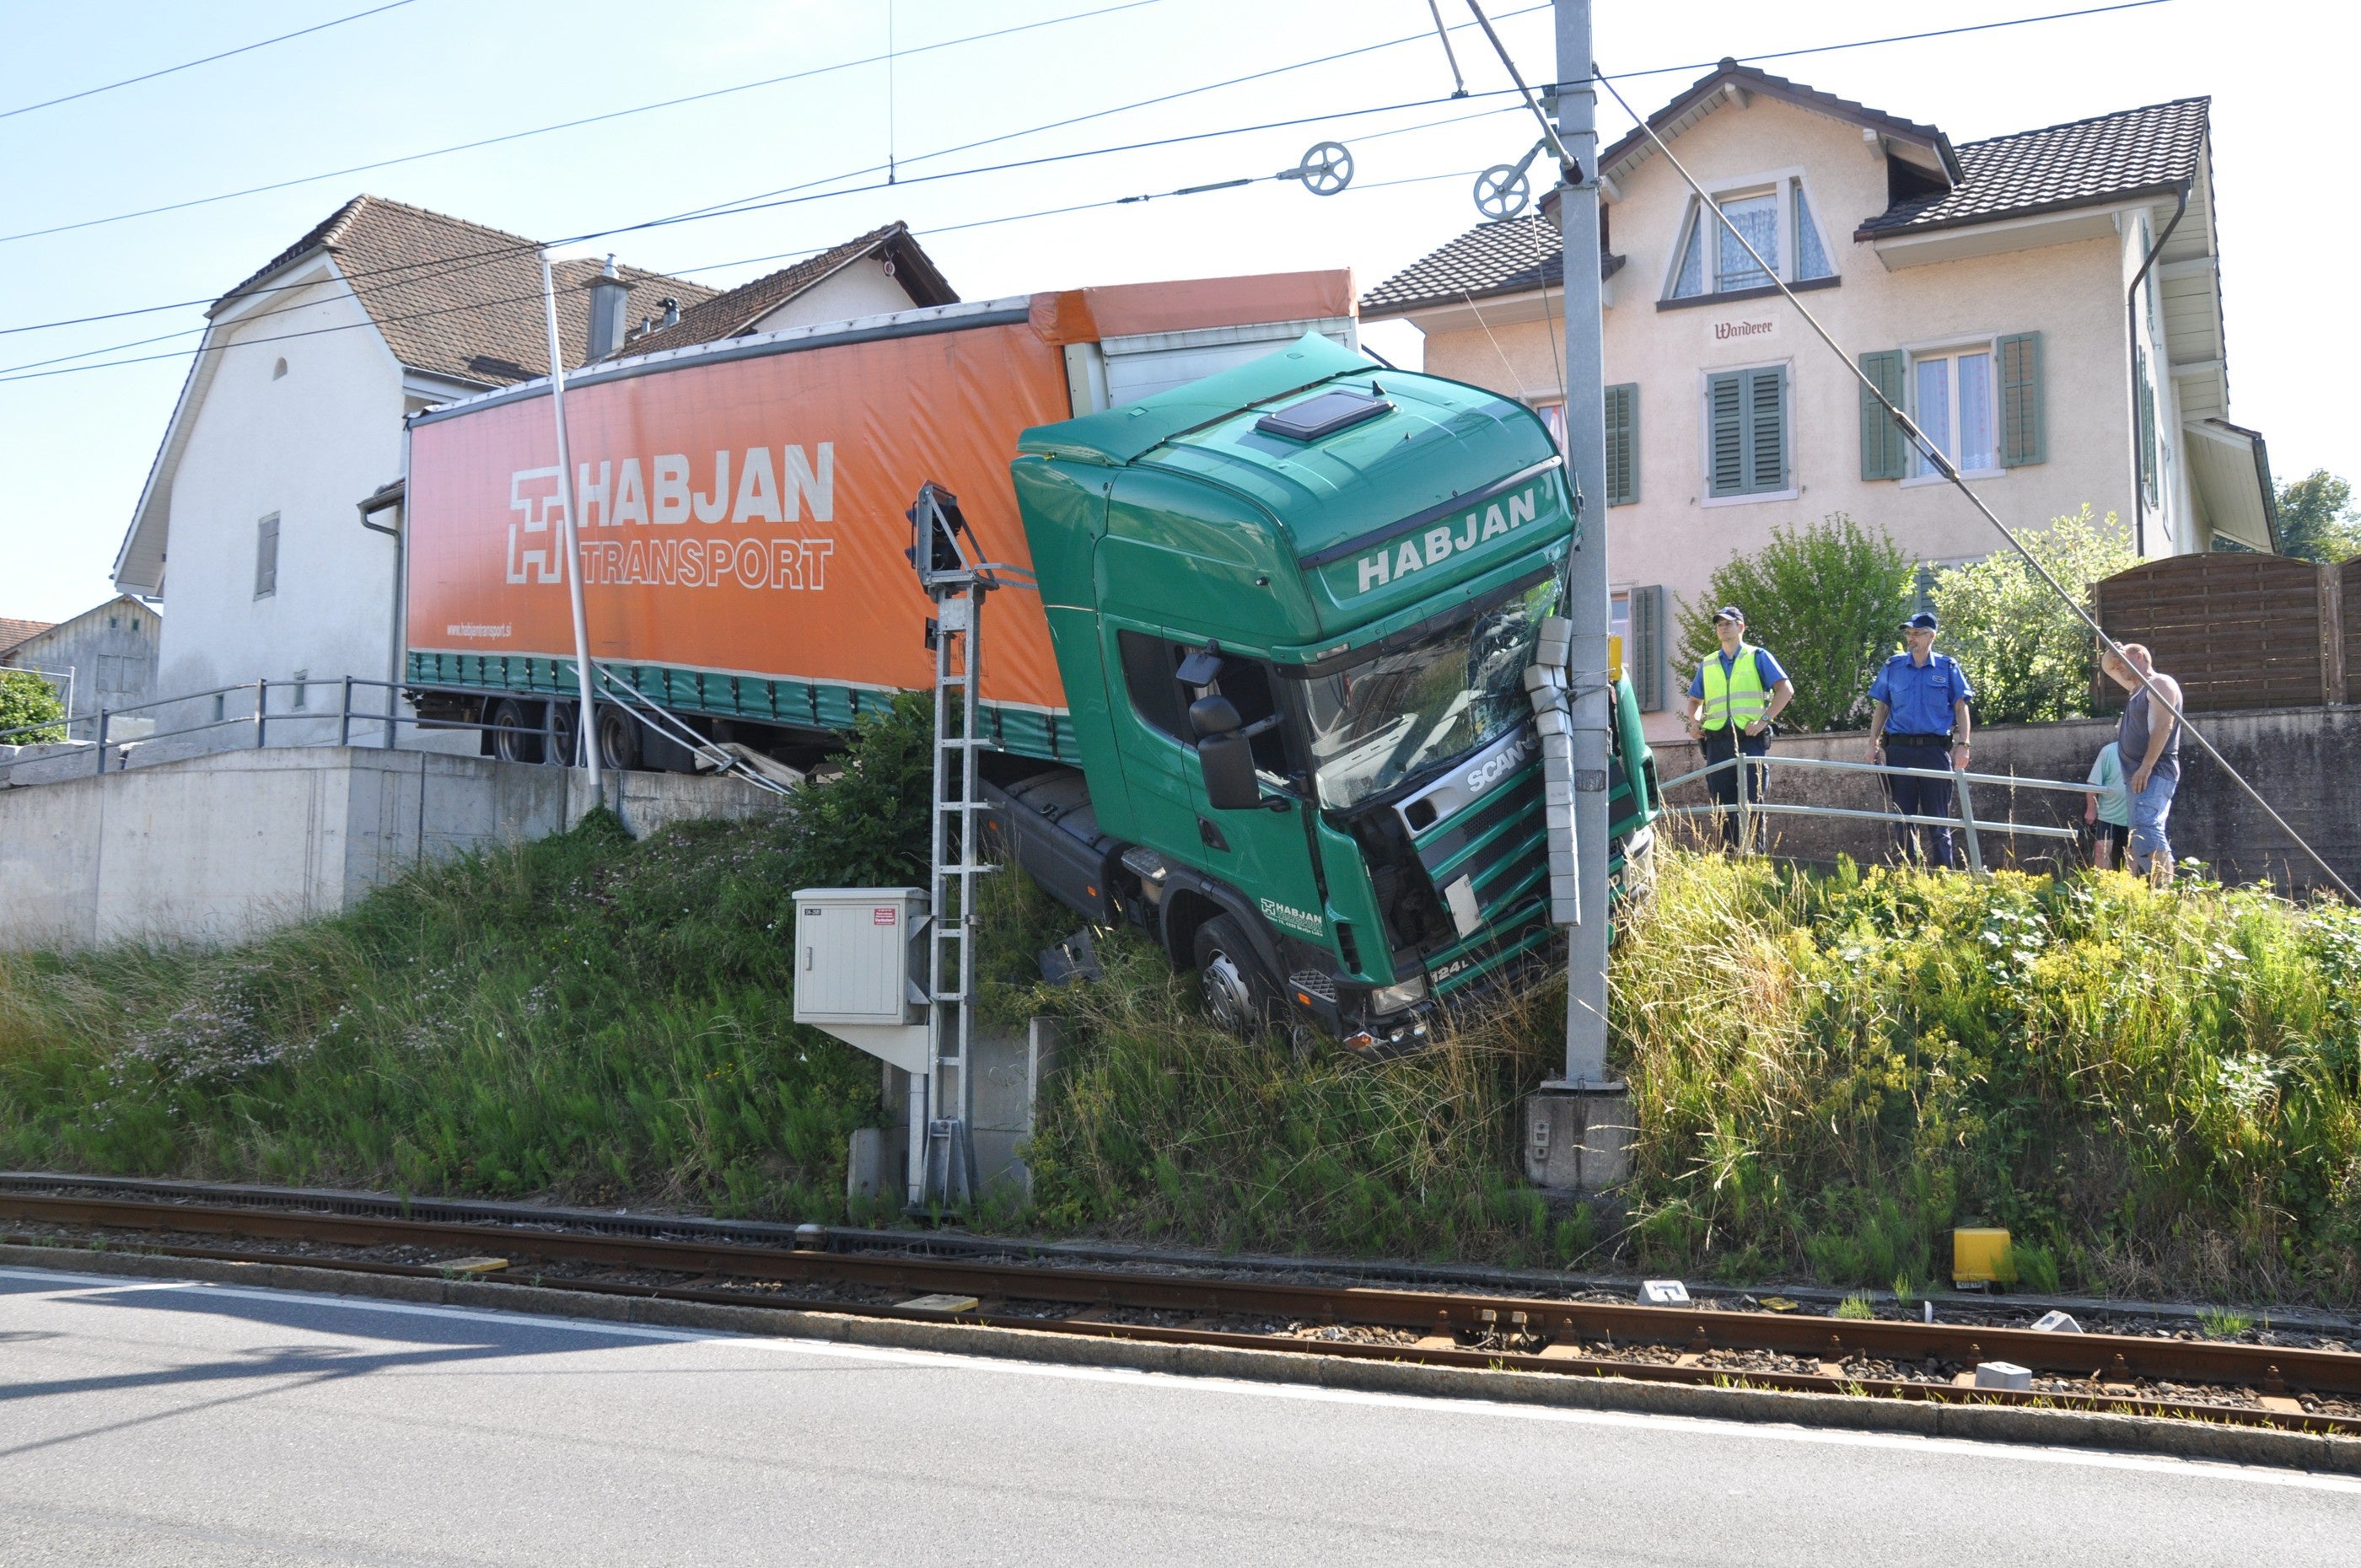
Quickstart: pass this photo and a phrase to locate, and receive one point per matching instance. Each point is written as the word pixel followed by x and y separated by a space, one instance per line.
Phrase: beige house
pixel 2047 305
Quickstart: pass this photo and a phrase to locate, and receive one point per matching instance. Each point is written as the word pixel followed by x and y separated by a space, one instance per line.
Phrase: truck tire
pixel 618 738
pixel 562 749
pixel 1229 976
pixel 516 738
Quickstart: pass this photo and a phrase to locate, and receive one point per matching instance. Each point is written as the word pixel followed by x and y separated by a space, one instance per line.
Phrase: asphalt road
pixel 151 1424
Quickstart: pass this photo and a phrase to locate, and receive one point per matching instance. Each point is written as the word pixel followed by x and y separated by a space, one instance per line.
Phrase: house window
pixel 1746 432
pixel 1637 614
pixel 266 556
pixel 1553 416
pixel 1775 219
pixel 1952 399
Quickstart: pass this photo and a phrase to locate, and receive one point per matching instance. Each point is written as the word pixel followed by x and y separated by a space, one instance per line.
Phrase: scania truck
pixel 1269 704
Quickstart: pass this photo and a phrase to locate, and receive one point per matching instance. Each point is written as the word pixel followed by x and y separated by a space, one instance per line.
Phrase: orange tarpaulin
pixel 742 515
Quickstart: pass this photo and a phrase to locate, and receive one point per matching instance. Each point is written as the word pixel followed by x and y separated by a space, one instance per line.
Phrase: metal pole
pixel 261 709
pixel 102 739
pixel 1968 821
pixel 585 726
pixel 345 716
pixel 1586 450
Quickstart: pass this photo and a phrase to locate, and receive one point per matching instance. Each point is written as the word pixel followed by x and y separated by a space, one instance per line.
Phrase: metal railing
pixel 255 715
pixel 1963 814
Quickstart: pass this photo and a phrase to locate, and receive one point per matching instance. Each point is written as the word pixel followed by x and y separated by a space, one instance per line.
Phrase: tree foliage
pixel 2317 519
pixel 27 700
pixel 2030 657
pixel 1826 599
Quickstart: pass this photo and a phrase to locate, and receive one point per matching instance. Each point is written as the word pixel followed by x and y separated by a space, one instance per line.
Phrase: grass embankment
pixel 2156 1091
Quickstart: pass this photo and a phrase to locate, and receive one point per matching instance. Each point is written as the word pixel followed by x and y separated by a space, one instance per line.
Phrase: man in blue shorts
pixel 1920 720
pixel 1733 697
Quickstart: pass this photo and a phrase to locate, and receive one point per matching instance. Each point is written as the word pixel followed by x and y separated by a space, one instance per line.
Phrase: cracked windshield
pixel 1377 723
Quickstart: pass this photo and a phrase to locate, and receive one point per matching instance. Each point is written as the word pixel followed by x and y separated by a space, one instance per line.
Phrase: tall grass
pixel 2155 1092
pixel 584 1018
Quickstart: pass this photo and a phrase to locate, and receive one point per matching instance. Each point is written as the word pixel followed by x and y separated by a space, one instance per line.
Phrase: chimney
pixel 671 311
pixel 608 296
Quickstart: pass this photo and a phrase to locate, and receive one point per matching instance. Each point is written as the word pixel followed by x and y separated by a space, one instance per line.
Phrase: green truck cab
pixel 1292 606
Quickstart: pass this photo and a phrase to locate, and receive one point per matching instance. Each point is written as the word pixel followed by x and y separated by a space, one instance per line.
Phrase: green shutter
pixel 1766 429
pixel 1883 455
pixel 1647 654
pixel 1622 445
pixel 2023 435
pixel 1725 412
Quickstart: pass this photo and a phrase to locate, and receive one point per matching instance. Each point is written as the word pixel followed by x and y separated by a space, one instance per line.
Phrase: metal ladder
pixel 944 1176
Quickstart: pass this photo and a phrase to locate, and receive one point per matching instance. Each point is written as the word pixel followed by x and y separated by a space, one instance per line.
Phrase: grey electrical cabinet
pixel 860 957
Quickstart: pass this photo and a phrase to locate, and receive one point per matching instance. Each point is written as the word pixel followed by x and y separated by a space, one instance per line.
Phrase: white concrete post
pixel 586 727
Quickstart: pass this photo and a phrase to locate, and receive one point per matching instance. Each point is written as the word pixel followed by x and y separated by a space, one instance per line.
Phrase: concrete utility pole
pixel 586 724
pixel 1578 1127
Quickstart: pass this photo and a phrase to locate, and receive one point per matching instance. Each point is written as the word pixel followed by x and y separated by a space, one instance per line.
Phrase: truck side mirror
pixel 1211 716
pixel 1228 763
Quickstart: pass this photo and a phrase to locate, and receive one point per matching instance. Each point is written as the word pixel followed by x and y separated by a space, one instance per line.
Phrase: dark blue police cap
pixel 1924 620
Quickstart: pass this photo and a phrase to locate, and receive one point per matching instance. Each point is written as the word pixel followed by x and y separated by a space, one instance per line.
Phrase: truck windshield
pixel 1376 724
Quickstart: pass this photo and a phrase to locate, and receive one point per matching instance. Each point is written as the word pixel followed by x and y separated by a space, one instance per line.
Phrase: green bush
pixel 2317 521
pixel 1826 600
pixel 26 701
pixel 2031 658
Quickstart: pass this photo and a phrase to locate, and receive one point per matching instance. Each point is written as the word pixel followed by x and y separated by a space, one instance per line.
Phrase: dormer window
pixel 1775 217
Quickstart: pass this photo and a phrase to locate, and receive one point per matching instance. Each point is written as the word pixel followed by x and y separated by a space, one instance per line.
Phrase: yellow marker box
pixel 1982 1257
pixel 1615 657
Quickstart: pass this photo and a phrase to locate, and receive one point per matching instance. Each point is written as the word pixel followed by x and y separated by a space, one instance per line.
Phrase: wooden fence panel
pixel 2236 631
pixel 2347 578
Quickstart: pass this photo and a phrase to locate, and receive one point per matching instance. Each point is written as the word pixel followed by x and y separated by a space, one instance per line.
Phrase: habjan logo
pixel 1294 919
pixel 1438 545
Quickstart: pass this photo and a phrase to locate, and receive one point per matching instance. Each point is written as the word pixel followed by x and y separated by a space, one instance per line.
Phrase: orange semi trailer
pixel 742 536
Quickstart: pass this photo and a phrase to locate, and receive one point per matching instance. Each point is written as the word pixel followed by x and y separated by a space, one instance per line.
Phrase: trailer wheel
pixel 618 738
pixel 1231 980
pixel 515 736
pixel 562 750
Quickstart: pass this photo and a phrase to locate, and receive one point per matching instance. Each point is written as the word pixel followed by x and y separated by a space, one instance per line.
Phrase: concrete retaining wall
pixel 220 847
pixel 2306 761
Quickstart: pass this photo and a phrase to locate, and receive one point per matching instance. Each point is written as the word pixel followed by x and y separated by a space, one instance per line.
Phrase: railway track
pixel 2274 1386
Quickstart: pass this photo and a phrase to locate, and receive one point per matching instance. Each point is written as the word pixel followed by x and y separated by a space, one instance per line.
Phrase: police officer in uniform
pixel 1920 720
pixel 1731 702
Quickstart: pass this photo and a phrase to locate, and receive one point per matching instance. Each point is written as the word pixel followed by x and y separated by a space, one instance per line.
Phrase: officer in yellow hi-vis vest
pixel 1736 695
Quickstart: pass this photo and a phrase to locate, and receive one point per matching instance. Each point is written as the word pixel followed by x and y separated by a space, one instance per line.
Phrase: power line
pixel 208 60
pixel 1935 458
pixel 34 369
pixel 375 322
pixel 1894 38
pixel 848 174
pixel 563 125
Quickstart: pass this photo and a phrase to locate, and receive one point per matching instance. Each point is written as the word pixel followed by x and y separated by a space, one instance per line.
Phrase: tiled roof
pixel 735 312
pixel 458 299
pixel 2104 158
pixel 14 631
pixel 1514 255
pixel 1690 103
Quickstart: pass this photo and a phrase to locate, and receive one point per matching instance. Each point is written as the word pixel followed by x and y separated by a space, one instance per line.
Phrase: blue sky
pixel 75 449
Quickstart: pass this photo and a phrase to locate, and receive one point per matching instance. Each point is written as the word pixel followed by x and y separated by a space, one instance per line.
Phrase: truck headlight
pixel 1394 998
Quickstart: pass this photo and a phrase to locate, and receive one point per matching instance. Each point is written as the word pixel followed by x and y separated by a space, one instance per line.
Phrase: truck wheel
pixel 1231 978
pixel 618 738
pixel 515 736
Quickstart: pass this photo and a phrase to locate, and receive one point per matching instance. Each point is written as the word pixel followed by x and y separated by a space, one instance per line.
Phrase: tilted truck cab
pixel 1338 571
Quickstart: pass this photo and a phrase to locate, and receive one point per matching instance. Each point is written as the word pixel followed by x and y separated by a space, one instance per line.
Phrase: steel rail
pixel 1514 1331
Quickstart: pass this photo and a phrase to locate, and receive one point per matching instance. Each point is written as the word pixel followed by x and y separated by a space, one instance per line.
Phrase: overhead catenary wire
pixel 1935 456
pixel 204 60
pixel 1035 130
pixel 521 247
pixel 377 323
pixel 571 125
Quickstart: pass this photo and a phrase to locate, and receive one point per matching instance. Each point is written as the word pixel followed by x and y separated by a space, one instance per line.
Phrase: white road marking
pixel 86 1286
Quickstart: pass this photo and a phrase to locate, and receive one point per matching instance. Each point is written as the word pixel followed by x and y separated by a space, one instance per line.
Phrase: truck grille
pixel 1501 846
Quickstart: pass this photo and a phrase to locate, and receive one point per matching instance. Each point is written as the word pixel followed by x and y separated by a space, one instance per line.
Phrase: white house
pixel 882 271
pixel 293 415
pixel 2047 305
